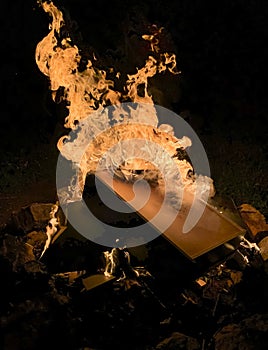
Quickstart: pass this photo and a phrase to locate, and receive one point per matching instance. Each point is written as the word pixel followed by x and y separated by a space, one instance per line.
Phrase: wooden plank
pixel 97 280
pixel 212 229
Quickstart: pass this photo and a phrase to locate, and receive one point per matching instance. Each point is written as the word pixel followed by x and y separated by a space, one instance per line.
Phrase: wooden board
pixel 212 229
pixel 97 280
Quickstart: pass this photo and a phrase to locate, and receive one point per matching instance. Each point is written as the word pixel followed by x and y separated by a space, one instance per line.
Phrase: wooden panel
pixel 97 280
pixel 212 229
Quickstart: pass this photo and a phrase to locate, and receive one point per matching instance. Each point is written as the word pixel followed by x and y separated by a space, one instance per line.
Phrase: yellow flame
pixel 52 227
pixel 88 91
pixel 84 91
pixel 59 60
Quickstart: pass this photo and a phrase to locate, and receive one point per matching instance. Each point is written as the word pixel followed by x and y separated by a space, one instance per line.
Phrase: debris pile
pixel 121 303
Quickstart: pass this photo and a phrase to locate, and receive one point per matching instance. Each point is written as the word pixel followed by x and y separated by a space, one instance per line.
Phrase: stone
pixel 32 217
pixel 253 218
pixel 263 245
pixel 249 334
pixel 178 341
pixel 16 252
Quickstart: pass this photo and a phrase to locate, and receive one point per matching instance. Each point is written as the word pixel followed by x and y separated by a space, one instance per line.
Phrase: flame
pixel 59 60
pixel 117 262
pixel 88 92
pixel 52 227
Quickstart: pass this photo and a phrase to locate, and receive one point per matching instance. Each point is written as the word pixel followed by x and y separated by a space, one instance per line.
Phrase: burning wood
pixel 128 141
pixel 88 91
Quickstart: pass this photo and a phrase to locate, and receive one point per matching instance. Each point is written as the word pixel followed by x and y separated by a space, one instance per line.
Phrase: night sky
pixel 221 49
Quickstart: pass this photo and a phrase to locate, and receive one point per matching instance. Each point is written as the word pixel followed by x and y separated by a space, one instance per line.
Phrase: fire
pixel 88 93
pixel 118 264
pixel 52 227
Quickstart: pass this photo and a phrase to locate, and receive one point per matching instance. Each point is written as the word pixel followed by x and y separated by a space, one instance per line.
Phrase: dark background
pixel 221 49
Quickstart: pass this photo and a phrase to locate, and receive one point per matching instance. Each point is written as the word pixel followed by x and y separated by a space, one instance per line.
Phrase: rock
pixel 250 334
pixel 32 217
pixel 16 252
pixel 263 245
pixel 178 341
pixel 35 237
pixel 36 269
pixel 37 240
pixel 71 277
pixel 34 324
pixel 254 219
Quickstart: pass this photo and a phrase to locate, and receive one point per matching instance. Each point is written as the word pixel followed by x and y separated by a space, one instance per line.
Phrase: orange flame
pixel 89 91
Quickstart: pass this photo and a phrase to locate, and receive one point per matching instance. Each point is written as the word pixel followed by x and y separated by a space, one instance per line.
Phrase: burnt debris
pixel 80 295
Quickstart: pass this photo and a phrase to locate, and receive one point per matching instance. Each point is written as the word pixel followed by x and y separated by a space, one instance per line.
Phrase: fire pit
pixel 196 275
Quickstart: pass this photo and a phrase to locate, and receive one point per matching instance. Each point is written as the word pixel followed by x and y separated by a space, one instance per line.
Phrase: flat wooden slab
pixel 211 230
pixel 97 280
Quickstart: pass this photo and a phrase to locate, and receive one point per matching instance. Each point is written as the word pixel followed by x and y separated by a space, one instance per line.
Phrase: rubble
pixel 165 305
pixel 253 219
pixel 263 244
pixel 16 252
pixel 71 277
pixel 33 217
pixel 94 281
pixel 178 341
pixel 250 333
pixel 37 240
